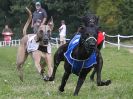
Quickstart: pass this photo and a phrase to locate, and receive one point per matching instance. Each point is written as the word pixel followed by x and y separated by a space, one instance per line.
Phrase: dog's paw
pixel 108 82
pixel 61 89
pixel 104 83
pixel 51 78
pixel 75 94
pixel 46 78
pixel 21 78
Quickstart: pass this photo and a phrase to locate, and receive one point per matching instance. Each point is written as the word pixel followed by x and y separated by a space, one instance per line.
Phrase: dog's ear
pixel 81 29
pixel 51 23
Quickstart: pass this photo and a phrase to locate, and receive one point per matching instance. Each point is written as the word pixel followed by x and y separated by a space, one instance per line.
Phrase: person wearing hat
pixel 39 14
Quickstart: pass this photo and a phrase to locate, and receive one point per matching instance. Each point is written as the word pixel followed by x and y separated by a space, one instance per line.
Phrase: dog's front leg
pixel 50 63
pixel 98 70
pixel 36 55
pixel 63 82
pixel 81 79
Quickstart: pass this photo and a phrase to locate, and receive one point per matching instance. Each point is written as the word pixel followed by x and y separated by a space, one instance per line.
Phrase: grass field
pixel 118 66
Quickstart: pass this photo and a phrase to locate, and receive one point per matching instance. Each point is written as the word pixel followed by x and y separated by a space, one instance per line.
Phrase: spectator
pixel 39 14
pixel 7 33
pixel 62 33
pixel 7 29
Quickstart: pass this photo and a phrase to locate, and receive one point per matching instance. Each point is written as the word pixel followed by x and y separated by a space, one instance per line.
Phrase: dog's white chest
pixel 32 45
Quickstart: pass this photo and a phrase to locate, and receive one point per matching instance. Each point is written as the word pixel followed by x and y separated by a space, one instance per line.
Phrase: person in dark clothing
pixel 39 14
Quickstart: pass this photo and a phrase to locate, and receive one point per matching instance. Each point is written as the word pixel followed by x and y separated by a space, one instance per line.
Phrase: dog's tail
pixel 28 22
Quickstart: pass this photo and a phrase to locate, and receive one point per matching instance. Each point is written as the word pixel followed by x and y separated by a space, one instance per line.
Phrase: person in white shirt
pixel 62 33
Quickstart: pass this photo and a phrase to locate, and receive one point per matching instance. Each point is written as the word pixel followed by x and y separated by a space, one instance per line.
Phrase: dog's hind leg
pixel 21 57
pixel 98 70
pixel 81 79
pixel 93 74
pixel 36 55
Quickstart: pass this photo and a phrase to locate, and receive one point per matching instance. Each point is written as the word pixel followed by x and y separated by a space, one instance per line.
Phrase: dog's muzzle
pixel 90 43
pixel 45 38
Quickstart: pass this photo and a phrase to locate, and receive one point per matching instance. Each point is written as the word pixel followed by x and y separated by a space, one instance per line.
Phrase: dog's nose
pixel 92 42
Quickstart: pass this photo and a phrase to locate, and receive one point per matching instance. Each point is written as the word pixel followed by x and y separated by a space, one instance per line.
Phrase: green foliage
pixel 69 10
pixel 115 15
pixel 126 21
pixel 109 14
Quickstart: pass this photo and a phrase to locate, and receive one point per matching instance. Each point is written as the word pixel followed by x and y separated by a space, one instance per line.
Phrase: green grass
pixel 118 66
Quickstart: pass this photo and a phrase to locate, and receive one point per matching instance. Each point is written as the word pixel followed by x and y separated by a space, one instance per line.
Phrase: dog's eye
pixel 41 31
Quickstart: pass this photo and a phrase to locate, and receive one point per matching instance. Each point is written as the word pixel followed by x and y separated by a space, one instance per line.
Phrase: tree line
pixel 115 16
